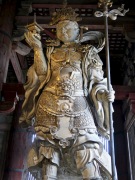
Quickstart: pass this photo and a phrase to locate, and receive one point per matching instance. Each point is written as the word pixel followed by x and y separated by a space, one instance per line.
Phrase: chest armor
pixel 66 77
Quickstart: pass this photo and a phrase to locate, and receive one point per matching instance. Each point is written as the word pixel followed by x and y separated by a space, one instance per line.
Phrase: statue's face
pixel 67 31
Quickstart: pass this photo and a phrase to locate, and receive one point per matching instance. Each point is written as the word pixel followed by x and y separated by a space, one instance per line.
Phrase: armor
pixel 62 106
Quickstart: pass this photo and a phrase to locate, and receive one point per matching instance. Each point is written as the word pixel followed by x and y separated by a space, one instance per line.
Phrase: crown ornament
pixel 66 13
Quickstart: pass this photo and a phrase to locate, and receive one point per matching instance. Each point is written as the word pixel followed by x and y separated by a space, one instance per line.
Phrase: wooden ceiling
pixel 119 30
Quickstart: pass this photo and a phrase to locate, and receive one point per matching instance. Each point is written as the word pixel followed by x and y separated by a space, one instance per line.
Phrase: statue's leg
pixel 49 170
pixel 50 158
pixel 87 165
pixel 91 171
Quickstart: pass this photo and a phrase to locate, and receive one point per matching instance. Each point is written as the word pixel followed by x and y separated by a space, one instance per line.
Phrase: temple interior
pixel 16 57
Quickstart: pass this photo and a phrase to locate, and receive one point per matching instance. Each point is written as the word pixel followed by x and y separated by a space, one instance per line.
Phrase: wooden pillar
pixel 120 141
pixel 5 124
pixel 18 138
pixel 17 149
pixel 7 14
pixel 10 97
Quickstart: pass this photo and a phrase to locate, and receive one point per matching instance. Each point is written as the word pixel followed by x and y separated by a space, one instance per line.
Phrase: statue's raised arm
pixel 36 74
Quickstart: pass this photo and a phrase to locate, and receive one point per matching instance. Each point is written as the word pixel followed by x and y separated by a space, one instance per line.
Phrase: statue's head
pixel 67 31
pixel 67 28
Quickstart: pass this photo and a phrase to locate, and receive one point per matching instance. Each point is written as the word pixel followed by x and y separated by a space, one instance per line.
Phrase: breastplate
pixel 66 77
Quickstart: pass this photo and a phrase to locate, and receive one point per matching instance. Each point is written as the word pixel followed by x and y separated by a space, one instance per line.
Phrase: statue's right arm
pixel 35 76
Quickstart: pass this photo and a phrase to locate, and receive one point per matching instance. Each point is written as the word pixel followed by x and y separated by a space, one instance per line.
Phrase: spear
pixel 113 15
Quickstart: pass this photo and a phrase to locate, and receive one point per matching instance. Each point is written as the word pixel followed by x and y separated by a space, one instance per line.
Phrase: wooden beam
pixel 22 61
pixel 55 6
pixel 123 92
pixel 4 64
pixel 16 66
pixel 21 48
pixel 93 23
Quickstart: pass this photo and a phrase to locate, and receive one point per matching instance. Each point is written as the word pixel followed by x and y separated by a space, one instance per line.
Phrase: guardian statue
pixel 66 99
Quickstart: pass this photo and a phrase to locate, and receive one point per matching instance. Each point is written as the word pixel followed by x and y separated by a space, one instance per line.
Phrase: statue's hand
pixel 49 51
pixel 109 96
pixel 33 39
pixel 106 96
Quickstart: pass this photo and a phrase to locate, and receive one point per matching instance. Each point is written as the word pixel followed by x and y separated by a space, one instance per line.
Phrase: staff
pixel 113 15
